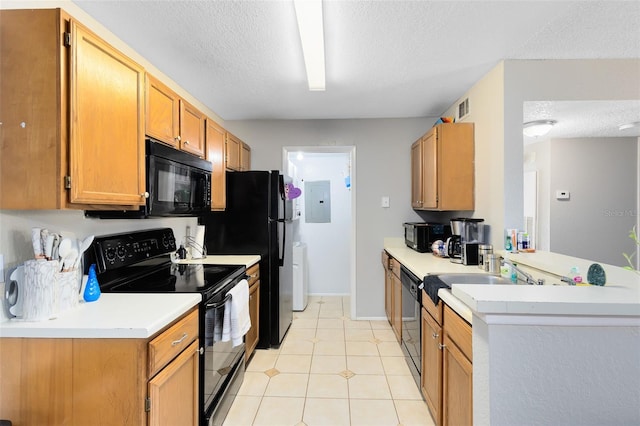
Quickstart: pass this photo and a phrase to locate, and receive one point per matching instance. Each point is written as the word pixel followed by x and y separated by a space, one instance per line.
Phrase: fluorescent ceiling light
pixel 310 26
pixel 629 125
pixel 534 129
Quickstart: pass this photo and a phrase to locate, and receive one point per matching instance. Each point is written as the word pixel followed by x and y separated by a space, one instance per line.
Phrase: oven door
pixel 222 367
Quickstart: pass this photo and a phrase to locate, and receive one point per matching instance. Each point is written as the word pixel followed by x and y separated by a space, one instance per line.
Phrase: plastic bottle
pixel 92 289
pixel 182 252
pixel 514 274
pixel 507 243
pixel 574 274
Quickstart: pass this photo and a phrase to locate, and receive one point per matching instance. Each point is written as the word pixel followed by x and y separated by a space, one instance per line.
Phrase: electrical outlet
pixel 562 194
pixel 385 202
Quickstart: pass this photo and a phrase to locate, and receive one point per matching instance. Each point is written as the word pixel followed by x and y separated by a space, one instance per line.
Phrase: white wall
pixel 496 104
pixel 536 157
pixel 383 169
pixel 327 243
pixel 601 175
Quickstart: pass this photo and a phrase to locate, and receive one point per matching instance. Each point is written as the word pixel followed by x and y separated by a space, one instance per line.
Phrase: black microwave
pixel 178 184
pixel 420 235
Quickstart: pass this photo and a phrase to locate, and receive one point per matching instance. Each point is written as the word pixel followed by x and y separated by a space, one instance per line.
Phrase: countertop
pixel 620 297
pixel 112 316
pixel 119 315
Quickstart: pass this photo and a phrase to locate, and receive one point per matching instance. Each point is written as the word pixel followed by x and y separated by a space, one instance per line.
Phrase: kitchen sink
pixel 462 278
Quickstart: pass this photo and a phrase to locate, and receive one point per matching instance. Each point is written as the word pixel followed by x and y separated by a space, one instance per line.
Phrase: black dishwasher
pixel 411 321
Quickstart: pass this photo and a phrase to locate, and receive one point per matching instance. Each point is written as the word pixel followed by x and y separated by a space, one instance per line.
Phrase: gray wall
pixel 600 174
pixel 382 168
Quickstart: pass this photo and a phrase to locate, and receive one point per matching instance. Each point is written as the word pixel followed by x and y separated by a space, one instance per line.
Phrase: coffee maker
pixel 467 235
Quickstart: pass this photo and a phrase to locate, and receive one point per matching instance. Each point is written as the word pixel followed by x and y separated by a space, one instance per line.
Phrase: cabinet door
pixel 251 338
pixel 192 126
pixel 430 170
pixel 431 377
pixel 232 161
pixel 163 109
pixel 107 163
pixel 396 301
pixel 245 157
pixel 457 386
pixel 388 301
pixel 416 175
pixel 216 154
pixel 173 392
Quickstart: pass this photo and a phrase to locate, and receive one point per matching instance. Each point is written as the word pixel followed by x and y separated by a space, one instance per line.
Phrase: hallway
pixel 330 370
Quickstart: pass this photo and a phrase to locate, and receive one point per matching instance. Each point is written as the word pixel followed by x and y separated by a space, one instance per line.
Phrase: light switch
pixel 562 194
pixel 385 202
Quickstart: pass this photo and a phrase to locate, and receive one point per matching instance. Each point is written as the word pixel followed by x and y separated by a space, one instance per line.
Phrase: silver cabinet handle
pixel 186 142
pixel 177 138
pixel 177 342
pixel 144 195
pixel 435 335
pixel 441 346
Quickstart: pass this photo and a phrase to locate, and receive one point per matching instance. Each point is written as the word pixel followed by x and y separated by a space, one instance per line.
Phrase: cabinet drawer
pixel 459 331
pixel 172 341
pixel 394 266
pixel 253 273
pixel 434 310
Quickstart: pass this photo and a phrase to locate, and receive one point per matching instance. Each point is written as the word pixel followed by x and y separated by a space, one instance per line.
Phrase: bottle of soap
pixel 507 243
pixel 514 274
pixel 574 274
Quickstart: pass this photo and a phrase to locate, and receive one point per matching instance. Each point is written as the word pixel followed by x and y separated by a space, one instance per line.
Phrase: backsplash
pixel 15 238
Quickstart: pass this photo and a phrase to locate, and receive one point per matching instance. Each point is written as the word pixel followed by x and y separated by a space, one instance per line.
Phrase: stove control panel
pixel 114 251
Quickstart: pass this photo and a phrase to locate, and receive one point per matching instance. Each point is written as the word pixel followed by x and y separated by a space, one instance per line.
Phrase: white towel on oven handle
pixel 236 321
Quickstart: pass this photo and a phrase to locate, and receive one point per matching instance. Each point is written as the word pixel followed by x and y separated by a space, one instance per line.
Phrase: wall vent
pixel 463 108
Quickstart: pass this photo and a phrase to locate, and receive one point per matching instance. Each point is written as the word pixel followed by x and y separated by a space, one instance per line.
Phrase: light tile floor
pixel 330 371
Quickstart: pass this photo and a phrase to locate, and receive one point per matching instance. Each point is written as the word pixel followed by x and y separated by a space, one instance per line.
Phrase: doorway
pixel 330 242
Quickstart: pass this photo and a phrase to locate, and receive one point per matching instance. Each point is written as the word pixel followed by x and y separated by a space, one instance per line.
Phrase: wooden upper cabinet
pixel 192 133
pixel 245 157
pixel 215 136
pixel 442 164
pixel 172 120
pixel 107 116
pixel 72 113
pixel 232 161
pixel 163 112
pixel 416 174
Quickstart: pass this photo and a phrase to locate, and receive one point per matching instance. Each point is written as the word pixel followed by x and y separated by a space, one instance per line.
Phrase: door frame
pixel 351 150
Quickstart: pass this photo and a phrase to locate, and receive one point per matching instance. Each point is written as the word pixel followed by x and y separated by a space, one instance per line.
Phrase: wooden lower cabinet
pixel 431 375
pixel 387 284
pixel 253 335
pixel 393 293
pixel 174 399
pixel 457 371
pixel 100 381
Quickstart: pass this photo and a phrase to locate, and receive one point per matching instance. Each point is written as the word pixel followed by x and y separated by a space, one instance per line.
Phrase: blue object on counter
pixel 92 289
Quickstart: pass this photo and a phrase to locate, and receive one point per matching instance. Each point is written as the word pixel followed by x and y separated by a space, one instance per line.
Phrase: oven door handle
pixel 218 304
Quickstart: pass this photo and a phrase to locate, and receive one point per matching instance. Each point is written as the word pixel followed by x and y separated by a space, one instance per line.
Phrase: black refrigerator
pixel 257 220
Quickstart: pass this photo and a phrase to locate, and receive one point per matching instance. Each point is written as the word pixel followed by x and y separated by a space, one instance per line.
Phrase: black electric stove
pixel 142 262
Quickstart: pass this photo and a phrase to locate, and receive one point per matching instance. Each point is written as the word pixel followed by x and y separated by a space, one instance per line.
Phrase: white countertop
pixel 112 316
pixel 211 259
pixel 619 297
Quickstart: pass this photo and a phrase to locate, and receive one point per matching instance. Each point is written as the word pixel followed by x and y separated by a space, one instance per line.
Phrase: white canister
pixel 39 290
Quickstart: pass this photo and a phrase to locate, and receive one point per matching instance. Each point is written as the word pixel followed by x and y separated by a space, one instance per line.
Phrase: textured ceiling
pixel 383 58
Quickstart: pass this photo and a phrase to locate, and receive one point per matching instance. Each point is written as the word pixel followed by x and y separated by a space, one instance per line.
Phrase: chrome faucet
pixel 528 278
pixel 568 280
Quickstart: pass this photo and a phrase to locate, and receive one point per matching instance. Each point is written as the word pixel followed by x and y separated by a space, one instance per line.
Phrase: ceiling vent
pixel 463 108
